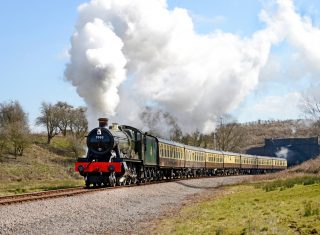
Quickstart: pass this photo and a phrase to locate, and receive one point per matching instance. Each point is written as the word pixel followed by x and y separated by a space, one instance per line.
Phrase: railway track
pixel 5 200
pixel 20 198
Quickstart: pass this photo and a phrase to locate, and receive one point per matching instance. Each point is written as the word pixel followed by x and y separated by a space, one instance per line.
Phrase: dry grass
pixel 42 166
pixel 311 167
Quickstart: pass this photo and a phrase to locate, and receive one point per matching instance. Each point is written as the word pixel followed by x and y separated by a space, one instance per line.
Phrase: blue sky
pixel 35 37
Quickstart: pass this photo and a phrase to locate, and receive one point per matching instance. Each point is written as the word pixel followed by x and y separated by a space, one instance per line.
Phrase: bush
pixel 288 183
pixel 14 128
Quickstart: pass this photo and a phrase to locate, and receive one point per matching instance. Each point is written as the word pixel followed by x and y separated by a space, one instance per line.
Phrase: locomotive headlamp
pixel 111 168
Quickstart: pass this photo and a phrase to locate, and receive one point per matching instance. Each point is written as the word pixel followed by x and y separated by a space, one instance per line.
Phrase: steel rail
pixel 26 197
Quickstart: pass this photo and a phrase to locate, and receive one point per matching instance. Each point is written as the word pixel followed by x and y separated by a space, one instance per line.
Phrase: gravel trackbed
pixel 113 211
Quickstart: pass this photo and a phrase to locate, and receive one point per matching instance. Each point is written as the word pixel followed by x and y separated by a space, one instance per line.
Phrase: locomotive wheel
pixel 87 184
pixel 118 183
pixel 129 181
pixel 112 180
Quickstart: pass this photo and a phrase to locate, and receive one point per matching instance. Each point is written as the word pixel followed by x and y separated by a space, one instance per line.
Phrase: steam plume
pixel 127 55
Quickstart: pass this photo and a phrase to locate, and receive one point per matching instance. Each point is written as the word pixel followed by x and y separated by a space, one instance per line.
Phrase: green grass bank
pixel 291 206
pixel 42 167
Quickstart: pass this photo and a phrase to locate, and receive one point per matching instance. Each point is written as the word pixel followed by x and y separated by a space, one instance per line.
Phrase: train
pixel 124 155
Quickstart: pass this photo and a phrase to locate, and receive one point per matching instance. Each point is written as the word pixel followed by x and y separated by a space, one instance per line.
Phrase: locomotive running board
pixel 131 160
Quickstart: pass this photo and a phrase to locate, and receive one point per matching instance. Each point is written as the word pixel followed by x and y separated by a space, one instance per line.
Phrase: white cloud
pixel 64 54
pixel 277 107
pixel 298 30
pixel 218 19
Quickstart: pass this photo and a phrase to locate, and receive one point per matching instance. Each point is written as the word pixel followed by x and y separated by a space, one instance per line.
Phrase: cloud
pixel 278 107
pixel 126 55
pixel 64 55
pixel 298 30
pixel 218 19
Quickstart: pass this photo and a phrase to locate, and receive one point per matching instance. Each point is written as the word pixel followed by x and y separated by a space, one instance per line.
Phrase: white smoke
pixel 127 55
pixel 283 153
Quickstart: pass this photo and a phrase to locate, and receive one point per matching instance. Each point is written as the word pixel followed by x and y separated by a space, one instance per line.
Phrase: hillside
pixel 310 167
pixel 42 167
pixel 257 132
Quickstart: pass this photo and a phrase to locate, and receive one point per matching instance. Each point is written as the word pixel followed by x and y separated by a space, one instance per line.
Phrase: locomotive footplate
pixel 131 160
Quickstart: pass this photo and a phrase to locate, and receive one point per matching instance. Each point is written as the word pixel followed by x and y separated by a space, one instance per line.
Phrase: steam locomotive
pixel 121 155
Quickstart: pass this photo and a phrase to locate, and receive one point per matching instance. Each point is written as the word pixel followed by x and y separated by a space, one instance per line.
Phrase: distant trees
pixel 49 119
pixel 14 128
pixel 78 125
pixel 63 113
pixel 230 135
pixel 311 109
pixel 59 118
pixel 64 118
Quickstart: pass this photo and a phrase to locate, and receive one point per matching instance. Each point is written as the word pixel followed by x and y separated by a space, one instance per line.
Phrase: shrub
pixel 288 183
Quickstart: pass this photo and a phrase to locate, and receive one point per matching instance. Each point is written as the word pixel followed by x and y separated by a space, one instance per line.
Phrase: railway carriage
pixel 248 163
pixel 264 163
pixel 124 154
pixel 231 162
pixel 195 160
pixel 214 159
pixel 279 163
pixel 171 158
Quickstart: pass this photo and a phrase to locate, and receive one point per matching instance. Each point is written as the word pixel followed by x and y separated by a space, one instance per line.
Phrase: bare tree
pixel 14 128
pixel 311 109
pixel 78 125
pixel 196 138
pixel 64 112
pixel 230 136
pixel 3 139
pixel 50 119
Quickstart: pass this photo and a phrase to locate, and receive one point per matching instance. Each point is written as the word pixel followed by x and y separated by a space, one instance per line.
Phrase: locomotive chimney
pixel 103 122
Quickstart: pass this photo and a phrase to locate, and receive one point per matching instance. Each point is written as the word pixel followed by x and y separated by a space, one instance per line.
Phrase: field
pixel 42 167
pixel 290 206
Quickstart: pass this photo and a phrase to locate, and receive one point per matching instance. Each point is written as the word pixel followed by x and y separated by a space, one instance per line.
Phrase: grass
pixel 251 210
pixel 37 185
pixel 42 167
pixel 288 183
